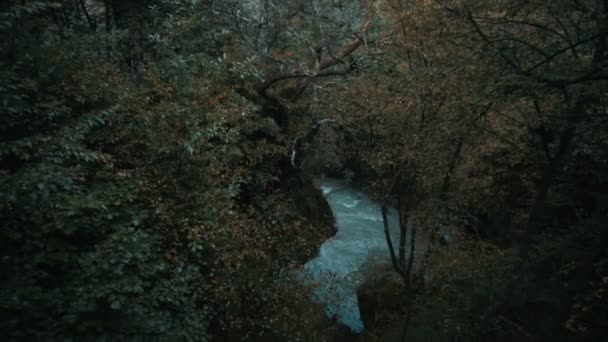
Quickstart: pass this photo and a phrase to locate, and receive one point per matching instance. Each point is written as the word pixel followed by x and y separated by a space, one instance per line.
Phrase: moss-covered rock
pixel 380 296
pixel 310 203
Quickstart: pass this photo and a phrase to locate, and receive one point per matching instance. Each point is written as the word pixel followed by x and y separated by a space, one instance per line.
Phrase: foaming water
pixel 360 232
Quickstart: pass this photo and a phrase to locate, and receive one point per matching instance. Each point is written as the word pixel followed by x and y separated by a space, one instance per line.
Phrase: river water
pixel 335 272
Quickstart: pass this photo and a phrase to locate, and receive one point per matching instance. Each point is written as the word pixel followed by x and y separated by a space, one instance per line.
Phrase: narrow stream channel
pixel 360 234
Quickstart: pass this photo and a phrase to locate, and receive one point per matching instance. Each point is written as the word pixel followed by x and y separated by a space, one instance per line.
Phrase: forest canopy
pixel 157 157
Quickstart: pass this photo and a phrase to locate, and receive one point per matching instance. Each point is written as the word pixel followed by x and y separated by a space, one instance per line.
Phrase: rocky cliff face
pixel 310 203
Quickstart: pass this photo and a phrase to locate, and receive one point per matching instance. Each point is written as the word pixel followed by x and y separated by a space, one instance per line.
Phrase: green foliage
pixel 145 189
pixel 136 182
pixel 83 247
pixel 550 300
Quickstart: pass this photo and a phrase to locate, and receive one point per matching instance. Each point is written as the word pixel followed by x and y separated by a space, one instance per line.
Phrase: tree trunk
pixel 92 24
pixel 548 175
pixel 402 265
pixel 109 10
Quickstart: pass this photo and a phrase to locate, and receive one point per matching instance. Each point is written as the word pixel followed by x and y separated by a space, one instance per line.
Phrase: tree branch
pixel 321 63
pixel 86 14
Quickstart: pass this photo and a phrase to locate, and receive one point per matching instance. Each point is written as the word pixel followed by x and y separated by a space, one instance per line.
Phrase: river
pixel 335 272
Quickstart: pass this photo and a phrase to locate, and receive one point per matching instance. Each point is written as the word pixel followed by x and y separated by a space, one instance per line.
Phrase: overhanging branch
pixel 322 63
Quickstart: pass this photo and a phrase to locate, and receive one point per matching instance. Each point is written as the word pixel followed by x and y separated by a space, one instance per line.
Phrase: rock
pixel 310 202
pixel 448 235
pixel 378 296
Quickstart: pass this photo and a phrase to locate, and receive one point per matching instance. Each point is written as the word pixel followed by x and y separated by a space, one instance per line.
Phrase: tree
pixel 492 105
pixel 133 195
pixel 554 54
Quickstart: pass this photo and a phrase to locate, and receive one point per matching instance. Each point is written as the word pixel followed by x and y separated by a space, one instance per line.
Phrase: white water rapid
pixel 360 235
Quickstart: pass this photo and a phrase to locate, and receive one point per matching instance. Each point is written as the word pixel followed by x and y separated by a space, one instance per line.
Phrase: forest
pixel 158 161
